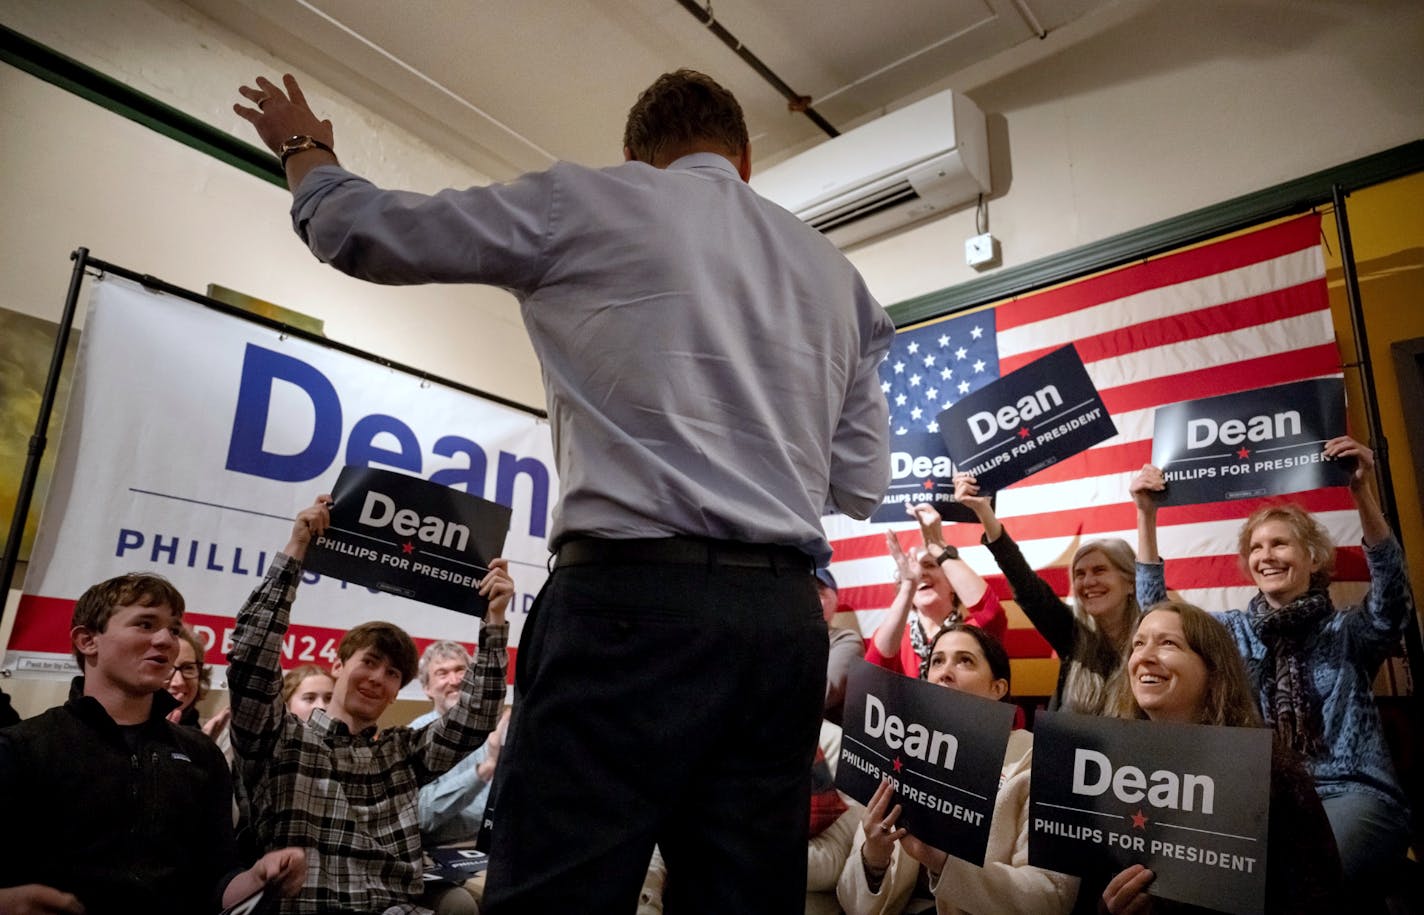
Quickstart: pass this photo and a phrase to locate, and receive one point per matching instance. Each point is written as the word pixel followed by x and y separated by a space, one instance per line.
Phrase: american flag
pixel 928 369
pixel 1247 312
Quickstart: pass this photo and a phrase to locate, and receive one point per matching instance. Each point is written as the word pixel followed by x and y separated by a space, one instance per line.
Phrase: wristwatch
pixel 293 145
pixel 950 552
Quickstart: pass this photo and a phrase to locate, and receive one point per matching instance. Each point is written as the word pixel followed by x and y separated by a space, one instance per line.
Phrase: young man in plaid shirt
pixel 332 784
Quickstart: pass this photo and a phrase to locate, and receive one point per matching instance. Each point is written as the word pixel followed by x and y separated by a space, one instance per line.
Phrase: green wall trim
pixel 72 76
pixel 1296 196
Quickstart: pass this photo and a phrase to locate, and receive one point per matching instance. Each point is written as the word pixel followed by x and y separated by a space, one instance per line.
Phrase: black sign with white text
pixel 1264 442
pixel 1189 802
pixel 455 865
pixel 410 537
pixel 1029 419
pixel 944 750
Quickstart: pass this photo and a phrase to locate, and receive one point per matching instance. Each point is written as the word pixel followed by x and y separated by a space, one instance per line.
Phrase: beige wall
pixel 83 176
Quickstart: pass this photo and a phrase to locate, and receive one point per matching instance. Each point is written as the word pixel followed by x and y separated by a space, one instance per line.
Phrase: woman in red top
pixel 935 587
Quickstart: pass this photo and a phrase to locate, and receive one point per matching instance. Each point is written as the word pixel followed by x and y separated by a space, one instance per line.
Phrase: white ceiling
pixel 508 86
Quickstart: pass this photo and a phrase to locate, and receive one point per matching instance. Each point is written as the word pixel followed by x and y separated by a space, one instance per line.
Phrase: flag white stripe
pixel 1169 301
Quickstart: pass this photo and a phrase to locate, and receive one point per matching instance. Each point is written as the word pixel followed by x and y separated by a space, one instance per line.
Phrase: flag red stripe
pixel 1266 308
pixel 1218 257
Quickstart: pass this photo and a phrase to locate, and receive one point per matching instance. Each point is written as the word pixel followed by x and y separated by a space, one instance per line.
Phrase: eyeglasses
pixel 189 671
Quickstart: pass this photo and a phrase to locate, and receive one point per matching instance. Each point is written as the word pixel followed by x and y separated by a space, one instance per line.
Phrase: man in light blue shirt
pixel 453 806
pixel 711 372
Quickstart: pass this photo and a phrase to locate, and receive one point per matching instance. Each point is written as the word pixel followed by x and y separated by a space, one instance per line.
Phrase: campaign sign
pixel 1029 419
pixel 942 749
pixel 1264 442
pixel 455 865
pixel 1190 802
pixel 410 537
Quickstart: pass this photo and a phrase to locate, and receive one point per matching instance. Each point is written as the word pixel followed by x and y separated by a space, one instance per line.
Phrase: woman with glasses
pixel 189 683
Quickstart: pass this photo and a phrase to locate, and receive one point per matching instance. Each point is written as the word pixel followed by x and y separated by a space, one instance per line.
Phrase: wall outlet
pixel 981 250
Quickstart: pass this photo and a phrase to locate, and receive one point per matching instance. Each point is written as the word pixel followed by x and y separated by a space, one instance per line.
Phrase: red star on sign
pixel 928 484
pixel 898 765
pixel 1243 453
pixel 408 548
pixel 1138 820
pixel 1023 431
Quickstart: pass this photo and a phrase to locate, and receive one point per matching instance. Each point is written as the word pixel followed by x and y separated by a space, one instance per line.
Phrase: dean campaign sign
pixel 407 536
pixel 193 438
pixel 943 749
pixel 1188 801
pixel 1027 420
pixel 1264 442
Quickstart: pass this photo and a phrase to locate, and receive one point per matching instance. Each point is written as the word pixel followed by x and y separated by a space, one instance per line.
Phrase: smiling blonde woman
pixel 1313 664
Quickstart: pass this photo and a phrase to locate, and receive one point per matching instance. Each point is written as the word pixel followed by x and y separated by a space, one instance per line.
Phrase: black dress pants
pixel 675 703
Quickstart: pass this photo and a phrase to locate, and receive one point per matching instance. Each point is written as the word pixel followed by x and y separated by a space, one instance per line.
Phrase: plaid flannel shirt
pixel 350 799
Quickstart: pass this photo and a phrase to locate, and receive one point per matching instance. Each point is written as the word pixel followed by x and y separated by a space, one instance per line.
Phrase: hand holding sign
pixel 1146 486
pixel 879 821
pixel 311 522
pixel 931 525
pixel 497 588
pixel 932 858
pixel 1127 892
pixel 1350 455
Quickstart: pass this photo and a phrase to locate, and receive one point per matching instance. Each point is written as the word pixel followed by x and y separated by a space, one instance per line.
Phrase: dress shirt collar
pixel 703 160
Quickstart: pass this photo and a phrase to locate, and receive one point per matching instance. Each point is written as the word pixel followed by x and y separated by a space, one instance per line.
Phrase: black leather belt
pixel 682 551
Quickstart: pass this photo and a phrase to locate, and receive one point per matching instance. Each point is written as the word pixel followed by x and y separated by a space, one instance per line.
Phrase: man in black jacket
pixel 111 807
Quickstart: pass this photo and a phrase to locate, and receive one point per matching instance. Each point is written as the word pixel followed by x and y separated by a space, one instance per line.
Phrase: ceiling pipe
pixel 794 100
pixel 1030 19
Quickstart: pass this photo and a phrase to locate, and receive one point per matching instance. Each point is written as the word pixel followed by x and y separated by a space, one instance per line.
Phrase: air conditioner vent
pixel 915 163
pixel 879 202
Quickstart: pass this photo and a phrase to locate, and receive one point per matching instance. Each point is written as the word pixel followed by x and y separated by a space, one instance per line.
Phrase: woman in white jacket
pixel 890 871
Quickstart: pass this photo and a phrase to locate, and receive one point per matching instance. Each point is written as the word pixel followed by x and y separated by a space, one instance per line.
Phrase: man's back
pixel 701 348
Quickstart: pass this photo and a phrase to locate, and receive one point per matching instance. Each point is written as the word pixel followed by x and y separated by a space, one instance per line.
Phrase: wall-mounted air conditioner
pixel 914 163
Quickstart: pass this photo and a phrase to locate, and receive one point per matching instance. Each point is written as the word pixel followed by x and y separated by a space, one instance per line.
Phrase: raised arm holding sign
pixel 1313 664
pixel 1088 636
pixel 366 843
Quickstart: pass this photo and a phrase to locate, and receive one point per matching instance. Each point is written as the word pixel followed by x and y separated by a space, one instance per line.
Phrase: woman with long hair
pixel 1313 664
pixel 890 871
pixel 1183 667
pixel 1089 636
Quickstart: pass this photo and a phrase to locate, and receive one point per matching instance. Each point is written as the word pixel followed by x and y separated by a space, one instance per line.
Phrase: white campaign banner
pixel 193 438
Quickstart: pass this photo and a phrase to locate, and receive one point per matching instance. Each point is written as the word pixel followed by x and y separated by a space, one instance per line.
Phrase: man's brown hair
pixel 96 606
pixel 385 639
pixel 680 112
